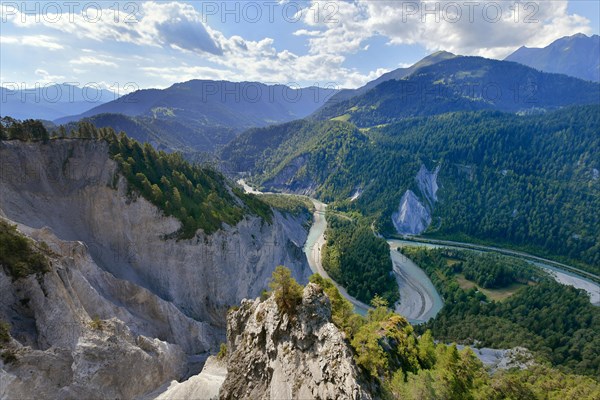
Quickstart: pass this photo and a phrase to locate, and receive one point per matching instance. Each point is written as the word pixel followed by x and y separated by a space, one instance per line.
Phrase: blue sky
pixel 128 45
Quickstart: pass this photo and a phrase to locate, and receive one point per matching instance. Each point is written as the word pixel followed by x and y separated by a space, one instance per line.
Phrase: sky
pixel 125 46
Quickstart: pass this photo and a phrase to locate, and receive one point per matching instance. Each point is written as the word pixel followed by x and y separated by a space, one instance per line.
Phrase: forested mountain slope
pixel 528 181
pixel 463 84
pixel 168 134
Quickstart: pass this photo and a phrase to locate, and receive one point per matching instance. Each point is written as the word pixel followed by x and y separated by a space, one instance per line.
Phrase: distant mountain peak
pixel 441 53
pixel 577 55
pixel 202 114
pixel 580 35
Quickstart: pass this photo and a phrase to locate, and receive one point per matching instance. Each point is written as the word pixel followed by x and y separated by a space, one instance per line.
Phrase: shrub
pixel 96 324
pixel 264 295
pixel 341 309
pixel 222 352
pixel 4 333
pixel 9 356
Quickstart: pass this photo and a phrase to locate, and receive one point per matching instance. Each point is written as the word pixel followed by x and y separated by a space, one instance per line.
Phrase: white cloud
pixel 90 60
pixel 164 29
pixel 485 28
pixel 175 25
pixel 170 74
pixel 179 26
pixel 43 41
pixel 306 32
pixel 261 61
pixel 44 77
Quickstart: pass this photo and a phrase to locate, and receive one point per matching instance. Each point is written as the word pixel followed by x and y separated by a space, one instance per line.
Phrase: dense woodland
pixel 198 197
pixel 528 182
pixel 555 321
pixel 358 260
pixel 29 129
pixel 492 271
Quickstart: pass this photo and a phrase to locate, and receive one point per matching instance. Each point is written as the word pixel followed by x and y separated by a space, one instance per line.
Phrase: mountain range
pixel 200 115
pixel 205 115
pixel 50 102
pixel 577 55
pixel 396 74
pixel 442 148
pixel 461 84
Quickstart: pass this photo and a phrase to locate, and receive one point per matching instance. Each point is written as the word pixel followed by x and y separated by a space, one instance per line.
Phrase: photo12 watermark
pixel 51 12
pixel 469 11
pixel 323 12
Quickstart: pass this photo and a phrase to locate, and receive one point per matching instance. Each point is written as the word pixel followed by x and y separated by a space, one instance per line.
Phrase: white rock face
pixel 427 184
pixel 503 359
pixel 356 195
pixel 66 186
pixel 161 300
pixel 272 356
pixel 413 217
pixel 287 179
pixel 61 353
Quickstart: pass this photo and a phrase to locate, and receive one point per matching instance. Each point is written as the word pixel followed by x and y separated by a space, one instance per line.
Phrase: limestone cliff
pixel 274 356
pixel 156 302
pixel 414 212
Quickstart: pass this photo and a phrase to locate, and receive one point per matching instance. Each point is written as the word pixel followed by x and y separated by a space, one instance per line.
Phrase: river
pixel 420 301
pixel 312 249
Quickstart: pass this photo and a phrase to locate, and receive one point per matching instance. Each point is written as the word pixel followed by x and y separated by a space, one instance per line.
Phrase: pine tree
pixel 287 292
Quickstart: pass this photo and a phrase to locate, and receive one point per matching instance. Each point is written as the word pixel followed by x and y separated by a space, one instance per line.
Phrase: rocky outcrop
pixel 277 356
pixel 78 332
pixel 205 385
pixel 414 212
pixel 427 184
pixel 412 217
